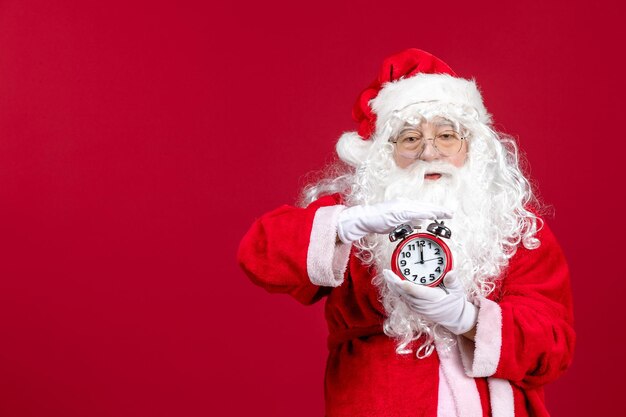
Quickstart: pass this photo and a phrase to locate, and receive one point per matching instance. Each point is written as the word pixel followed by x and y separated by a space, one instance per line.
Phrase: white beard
pixel 489 196
pixel 477 253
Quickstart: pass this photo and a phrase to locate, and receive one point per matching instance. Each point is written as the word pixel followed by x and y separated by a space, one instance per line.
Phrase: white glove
pixel 355 222
pixel 451 310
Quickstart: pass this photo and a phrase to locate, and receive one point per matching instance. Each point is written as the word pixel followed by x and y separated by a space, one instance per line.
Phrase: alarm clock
pixel 422 258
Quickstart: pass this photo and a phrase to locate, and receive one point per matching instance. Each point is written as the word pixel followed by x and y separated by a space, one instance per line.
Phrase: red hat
pixel 408 77
pixel 401 65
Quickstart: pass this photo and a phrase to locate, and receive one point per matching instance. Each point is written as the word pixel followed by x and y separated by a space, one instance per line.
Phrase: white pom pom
pixel 352 149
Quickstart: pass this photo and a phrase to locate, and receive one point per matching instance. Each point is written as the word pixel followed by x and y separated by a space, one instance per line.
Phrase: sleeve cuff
pixel 327 260
pixel 481 357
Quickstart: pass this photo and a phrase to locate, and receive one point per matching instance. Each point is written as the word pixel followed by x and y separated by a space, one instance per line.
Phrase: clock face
pixel 422 259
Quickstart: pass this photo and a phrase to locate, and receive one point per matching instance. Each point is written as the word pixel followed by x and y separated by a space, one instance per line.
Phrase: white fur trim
pixel 463 388
pixel 352 148
pixel 445 402
pixel 501 398
pixel 481 357
pixel 326 260
pixel 445 88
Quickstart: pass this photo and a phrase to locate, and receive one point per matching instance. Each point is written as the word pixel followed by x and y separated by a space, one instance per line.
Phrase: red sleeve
pixel 526 334
pixel 273 253
pixel 537 315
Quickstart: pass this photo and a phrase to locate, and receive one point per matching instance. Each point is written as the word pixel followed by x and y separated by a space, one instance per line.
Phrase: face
pixel 436 128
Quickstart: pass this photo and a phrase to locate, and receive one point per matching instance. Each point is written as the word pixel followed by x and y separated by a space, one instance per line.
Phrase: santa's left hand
pixel 452 310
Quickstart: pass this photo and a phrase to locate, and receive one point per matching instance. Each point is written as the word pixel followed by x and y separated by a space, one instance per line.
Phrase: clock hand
pixel 421 254
pixel 428 260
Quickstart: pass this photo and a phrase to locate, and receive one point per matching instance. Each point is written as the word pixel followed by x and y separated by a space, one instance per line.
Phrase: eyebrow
pixel 409 128
pixel 443 122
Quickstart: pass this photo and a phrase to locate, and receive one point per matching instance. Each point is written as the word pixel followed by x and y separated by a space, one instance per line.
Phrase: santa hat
pixel 411 76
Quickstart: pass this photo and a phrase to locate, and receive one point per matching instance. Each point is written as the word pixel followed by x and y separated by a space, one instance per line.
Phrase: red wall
pixel 139 141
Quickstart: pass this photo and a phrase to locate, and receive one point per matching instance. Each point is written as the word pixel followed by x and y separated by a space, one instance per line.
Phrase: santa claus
pixel 497 330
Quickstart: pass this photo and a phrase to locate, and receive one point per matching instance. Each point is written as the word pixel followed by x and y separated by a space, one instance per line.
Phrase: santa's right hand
pixel 355 222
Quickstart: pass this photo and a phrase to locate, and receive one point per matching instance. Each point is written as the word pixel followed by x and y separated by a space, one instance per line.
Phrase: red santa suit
pixel 524 335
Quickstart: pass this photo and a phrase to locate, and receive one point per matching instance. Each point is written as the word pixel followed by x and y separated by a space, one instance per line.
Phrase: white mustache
pixel 423 167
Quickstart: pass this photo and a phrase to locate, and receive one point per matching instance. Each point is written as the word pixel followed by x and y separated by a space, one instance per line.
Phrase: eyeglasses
pixel 412 143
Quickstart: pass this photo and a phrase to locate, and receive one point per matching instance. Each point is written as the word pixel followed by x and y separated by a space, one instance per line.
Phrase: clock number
pixel 406 254
pixel 440 261
pixel 423 280
pixel 437 251
pixel 412 247
pixel 414 278
pixel 402 262
pixel 430 245
pixel 407 271
pixel 438 269
pixel 432 277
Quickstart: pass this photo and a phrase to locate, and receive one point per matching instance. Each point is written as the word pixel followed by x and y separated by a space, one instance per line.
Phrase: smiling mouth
pixel 432 176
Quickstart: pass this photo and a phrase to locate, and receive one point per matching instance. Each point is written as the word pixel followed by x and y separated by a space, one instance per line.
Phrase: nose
pixel 430 153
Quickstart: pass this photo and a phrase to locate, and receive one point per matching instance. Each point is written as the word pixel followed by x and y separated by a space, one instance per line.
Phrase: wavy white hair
pixel 489 194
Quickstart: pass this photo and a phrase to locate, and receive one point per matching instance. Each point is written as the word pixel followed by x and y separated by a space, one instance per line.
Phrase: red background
pixel 139 140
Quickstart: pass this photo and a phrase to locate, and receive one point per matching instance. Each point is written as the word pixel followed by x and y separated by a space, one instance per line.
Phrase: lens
pixel 410 144
pixel 448 142
pixel 410 141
